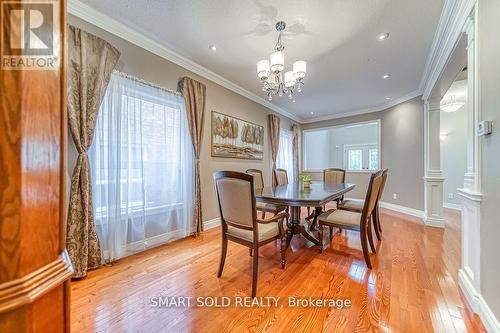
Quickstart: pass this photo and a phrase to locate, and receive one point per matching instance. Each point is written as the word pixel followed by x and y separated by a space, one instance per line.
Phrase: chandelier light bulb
pixel 300 69
pixel 289 79
pixel 270 97
pixel 299 89
pixel 263 69
pixel 277 61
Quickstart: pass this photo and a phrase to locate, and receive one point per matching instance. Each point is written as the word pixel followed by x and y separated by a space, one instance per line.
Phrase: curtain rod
pixel 131 77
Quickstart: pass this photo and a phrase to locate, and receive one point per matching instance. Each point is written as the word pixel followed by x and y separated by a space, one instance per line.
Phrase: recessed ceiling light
pixel 383 36
pixel 212 47
pixel 386 76
pixel 387 98
pixel 312 113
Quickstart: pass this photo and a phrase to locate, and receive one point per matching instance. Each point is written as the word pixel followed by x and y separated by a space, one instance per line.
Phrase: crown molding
pixel 95 17
pixel 451 24
pixel 379 108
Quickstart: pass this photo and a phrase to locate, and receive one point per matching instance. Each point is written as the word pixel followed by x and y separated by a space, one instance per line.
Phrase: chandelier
pixel 271 72
pixel 451 104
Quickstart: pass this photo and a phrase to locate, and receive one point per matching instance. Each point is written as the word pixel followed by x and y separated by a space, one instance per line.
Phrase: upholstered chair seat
pixel 269 208
pixel 342 218
pixel 265 232
pixel 352 205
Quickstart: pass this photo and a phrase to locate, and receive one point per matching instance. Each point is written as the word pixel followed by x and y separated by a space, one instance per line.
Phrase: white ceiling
pixel 338 38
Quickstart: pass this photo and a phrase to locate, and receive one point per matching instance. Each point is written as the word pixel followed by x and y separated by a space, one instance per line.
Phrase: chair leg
pixel 378 219
pixel 255 271
pixel 320 238
pixel 282 251
pixel 222 255
pixel 370 237
pixel 375 225
pixel 289 236
pixel 250 250
pixel 331 233
pixel 308 211
pixel 263 215
pixel 364 246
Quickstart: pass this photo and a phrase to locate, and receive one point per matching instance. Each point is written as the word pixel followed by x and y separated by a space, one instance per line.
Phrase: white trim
pixel 379 108
pixel 474 196
pixel 93 16
pixel 397 208
pixel 477 303
pixel 213 223
pixel 450 205
pixel 447 34
pixel 402 209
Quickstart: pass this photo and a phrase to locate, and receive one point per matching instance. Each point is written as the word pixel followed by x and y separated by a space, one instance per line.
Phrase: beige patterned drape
pixel 90 63
pixel 295 151
pixel 194 93
pixel 274 135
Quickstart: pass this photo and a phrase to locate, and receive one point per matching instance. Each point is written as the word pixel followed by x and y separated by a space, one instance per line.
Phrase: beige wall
pixel 489 95
pixel 147 66
pixel 402 151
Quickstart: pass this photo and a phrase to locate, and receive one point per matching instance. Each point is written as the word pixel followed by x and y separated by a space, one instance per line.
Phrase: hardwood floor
pixel 412 288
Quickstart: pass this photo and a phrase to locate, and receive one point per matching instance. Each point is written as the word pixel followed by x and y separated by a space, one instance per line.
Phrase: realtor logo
pixel 27 35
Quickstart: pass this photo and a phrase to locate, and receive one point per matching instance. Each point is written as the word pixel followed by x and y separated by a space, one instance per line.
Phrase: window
pixel 142 168
pixel 361 157
pixel 285 153
pixel 353 147
pixel 355 159
pixel 373 155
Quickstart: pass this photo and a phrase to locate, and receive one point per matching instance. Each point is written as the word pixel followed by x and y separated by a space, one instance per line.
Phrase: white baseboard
pixel 398 208
pixel 213 223
pixel 402 209
pixel 477 303
pixel 434 222
pixel 450 205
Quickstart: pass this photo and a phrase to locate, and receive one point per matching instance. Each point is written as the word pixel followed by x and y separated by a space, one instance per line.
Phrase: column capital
pixel 433 105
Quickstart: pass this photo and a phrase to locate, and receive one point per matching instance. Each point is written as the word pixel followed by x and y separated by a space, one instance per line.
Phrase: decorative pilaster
pixel 433 179
pixel 470 195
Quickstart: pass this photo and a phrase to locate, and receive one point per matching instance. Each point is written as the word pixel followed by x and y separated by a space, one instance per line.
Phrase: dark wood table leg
pixel 317 212
pixel 299 229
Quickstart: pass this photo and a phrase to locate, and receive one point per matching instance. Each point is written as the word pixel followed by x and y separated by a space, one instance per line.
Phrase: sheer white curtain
pixel 142 168
pixel 285 153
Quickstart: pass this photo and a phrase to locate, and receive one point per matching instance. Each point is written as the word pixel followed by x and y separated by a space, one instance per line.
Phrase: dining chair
pixel 357 206
pixel 331 176
pixel 239 222
pixel 353 220
pixel 281 176
pixel 258 181
pixel 334 176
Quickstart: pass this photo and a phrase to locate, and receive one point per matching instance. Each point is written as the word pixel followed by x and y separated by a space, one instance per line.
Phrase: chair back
pixel 372 195
pixel 258 179
pixel 236 197
pixel 333 176
pixel 281 176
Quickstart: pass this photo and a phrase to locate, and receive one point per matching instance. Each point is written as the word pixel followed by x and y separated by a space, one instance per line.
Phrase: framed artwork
pixel 236 138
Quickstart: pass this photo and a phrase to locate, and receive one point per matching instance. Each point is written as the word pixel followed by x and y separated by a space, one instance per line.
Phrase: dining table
pixel 295 196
